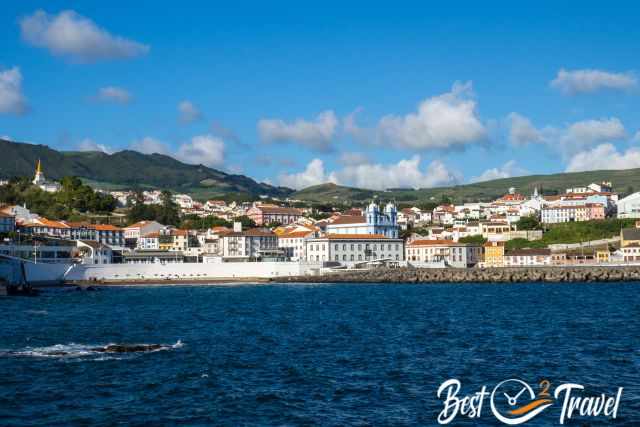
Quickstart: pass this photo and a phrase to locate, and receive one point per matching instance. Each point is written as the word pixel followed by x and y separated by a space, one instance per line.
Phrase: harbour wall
pixel 188 271
pixel 475 275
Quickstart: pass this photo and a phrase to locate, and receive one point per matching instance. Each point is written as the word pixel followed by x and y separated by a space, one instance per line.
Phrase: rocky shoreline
pixel 477 275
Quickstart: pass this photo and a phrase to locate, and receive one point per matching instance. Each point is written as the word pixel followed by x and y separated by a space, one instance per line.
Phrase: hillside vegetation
pixel 575 232
pixel 128 169
pixel 624 181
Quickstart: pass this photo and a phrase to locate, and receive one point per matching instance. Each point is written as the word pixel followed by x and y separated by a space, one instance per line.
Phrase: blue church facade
pixel 374 221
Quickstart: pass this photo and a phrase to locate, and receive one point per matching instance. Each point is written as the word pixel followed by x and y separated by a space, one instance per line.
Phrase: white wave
pixel 74 350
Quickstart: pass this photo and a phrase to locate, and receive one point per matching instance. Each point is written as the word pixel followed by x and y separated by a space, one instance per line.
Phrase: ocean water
pixel 335 354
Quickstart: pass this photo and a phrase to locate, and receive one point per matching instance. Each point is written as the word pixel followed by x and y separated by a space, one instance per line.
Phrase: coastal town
pixel 510 231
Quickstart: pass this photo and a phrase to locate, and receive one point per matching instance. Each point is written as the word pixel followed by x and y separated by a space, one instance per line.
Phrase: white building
pixel 93 252
pixel 254 244
pixel 40 181
pixel 150 242
pixel 629 207
pixel 374 221
pixel 459 255
pixel 293 244
pixel 528 257
pixel 133 232
pixel 353 248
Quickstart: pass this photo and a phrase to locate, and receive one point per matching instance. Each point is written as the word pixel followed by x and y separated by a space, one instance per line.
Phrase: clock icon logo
pixel 514 402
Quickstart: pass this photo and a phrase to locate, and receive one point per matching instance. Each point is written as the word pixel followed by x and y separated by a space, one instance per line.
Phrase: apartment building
pixel 459 255
pixel 353 248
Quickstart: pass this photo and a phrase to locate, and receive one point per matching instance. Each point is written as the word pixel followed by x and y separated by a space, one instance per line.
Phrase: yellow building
pixel 629 236
pixel 494 254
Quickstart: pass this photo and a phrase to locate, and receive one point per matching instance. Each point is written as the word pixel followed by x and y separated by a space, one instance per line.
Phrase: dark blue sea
pixel 298 355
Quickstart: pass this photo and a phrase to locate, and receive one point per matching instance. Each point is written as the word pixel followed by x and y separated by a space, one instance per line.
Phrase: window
pixel 337 258
pixel 352 257
pixel 344 257
pixel 359 257
pixel 359 246
pixel 352 246
pixel 335 246
pixel 344 246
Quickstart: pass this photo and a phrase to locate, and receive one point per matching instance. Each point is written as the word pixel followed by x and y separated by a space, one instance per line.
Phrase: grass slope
pixel 623 181
pixel 129 169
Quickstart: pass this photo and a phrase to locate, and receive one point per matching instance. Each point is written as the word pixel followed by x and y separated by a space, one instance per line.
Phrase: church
pixel 40 181
pixel 373 221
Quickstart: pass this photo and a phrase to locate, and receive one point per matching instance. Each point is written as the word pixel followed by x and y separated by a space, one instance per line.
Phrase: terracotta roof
pixel 105 227
pixel 350 219
pixel 493 244
pixel 155 234
pixel 295 234
pixel 44 222
pixel 140 224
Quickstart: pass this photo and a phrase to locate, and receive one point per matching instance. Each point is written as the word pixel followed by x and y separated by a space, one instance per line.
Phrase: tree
pixel 197 223
pixel 475 239
pixel 528 223
pixel 245 221
pixel 169 213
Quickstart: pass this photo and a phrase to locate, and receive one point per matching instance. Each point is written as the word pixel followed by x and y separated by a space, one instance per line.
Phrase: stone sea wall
pixel 500 275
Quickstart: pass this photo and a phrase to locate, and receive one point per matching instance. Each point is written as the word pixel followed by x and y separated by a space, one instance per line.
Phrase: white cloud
pixel 636 137
pixel 588 133
pixel 508 170
pixel 589 80
pixel 88 144
pixel 521 131
pixel 404 174
pixel 71 35
pixel 568 140
pixel 114 94
pixel 445 121
pixel 6 138
pixel 313 174
pixel 604 156
pixel 11 98
pixel 317 134
pixel 352 158
pixel 188 112
pixel 202 149
pixel 149 145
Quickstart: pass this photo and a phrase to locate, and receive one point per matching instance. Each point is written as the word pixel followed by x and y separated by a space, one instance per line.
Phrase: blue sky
pixel 414 95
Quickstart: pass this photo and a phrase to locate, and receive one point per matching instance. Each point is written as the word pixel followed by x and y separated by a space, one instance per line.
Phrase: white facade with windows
pixel 347 249
pixel 629 207
pixel 460 255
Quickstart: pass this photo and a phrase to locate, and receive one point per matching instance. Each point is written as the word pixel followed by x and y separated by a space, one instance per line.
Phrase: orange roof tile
pixel 295 234
pixel 350 219
pixel 105 227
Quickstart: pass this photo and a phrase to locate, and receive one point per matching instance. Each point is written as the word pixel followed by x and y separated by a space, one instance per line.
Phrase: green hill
pixel 129 169
pixel 624 181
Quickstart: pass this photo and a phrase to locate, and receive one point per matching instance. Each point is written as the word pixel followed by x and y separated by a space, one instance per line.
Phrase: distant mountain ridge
pixel 624 181
pixel 128 169
pixel 131 169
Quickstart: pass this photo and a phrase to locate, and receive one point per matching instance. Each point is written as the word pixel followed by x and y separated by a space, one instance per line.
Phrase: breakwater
pixel 475 275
